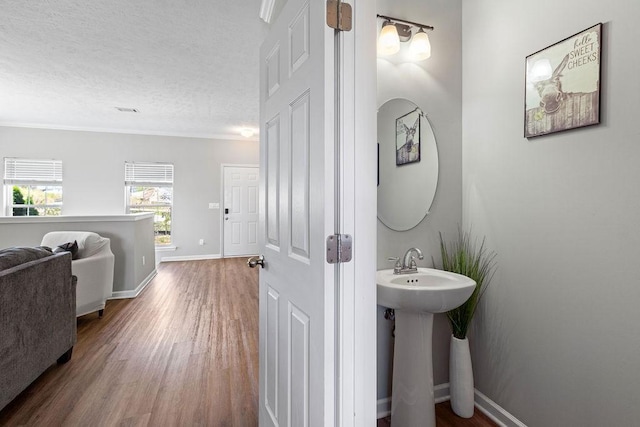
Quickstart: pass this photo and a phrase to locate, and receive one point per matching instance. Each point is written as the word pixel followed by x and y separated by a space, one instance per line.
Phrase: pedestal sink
pixel 415 298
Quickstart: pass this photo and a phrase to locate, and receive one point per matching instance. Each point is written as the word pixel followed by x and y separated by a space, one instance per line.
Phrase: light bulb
pixel 420 47
pixel 247 132
pixel 388 42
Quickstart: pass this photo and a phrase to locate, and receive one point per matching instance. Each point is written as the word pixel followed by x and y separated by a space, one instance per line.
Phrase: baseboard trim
pixel 383 407
pixel 134 293
pixel 441 394
pixel 494 411
pixel 238 256
pixel 189 258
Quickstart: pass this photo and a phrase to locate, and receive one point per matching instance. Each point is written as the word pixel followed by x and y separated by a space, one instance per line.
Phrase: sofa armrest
pixel 95 272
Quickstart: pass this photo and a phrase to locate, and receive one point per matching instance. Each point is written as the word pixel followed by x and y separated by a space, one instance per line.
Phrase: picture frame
pixel 408 138
pixel 562 84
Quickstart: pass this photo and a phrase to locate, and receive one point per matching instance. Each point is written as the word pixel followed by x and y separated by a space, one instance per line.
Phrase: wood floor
pixel 183 353
pixel 445 417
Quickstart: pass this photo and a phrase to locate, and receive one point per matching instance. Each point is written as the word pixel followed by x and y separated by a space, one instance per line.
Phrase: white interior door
pixel 240 210
pixel 297 350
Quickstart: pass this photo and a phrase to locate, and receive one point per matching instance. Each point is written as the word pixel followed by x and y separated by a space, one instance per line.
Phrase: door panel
pixel 298 367
pixel 271 143
pixel 296 214
pixel 299 177
pixel 273 70
pixel 299 40
pixel 271 354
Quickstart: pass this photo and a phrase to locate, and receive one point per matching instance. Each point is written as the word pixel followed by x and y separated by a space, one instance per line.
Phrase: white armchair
pixel 93 268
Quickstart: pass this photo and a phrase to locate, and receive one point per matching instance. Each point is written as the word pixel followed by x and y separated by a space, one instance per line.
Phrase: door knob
pixel 256 260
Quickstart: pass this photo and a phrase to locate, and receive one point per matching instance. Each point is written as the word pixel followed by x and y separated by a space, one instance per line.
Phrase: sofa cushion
pixel 68 247
pixel 12 257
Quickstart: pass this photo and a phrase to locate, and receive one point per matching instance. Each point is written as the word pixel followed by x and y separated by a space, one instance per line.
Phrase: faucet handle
pixel 397 268
pixel 412 264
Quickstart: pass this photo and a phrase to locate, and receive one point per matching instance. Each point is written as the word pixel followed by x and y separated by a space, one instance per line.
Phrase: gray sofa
pixel 37 316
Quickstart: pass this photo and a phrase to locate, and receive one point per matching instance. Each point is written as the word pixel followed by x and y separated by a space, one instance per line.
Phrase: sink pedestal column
pixel 412 402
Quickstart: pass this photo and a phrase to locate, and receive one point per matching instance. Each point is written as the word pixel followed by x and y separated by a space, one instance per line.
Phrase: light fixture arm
pixel 402 21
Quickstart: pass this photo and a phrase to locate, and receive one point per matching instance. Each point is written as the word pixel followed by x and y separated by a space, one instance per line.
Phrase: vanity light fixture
pixel 389 41
pixel 396 30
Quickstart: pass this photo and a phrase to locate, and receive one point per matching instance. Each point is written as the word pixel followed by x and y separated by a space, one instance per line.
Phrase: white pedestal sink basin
pixel 415 297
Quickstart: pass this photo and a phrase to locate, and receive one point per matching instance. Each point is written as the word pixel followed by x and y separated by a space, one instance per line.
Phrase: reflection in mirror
pixel 407 164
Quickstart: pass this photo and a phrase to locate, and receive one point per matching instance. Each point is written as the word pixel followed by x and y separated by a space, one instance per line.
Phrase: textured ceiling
pixel 189 66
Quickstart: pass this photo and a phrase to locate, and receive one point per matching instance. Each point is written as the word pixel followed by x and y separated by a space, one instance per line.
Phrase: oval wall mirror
pixel 407 164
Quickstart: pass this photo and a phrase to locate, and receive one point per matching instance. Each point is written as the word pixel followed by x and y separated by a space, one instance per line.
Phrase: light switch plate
pixel 214 205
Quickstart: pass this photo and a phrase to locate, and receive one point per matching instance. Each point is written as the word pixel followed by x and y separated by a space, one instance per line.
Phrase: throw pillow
pixel 12 257
pixel 68 247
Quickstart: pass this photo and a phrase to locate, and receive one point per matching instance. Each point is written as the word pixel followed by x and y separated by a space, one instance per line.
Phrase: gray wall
pixel 130 241
pixel 557 341
pixel 94 174
pixel 434 85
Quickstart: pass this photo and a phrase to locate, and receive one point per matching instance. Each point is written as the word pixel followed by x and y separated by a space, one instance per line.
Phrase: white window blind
pixel 148 173
pixel 32 171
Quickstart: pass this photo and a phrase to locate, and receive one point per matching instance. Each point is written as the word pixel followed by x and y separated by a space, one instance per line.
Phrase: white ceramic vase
pixel 461 377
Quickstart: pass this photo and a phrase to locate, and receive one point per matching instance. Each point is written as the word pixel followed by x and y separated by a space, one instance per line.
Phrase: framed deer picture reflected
pixel 562 84
pixel 408 138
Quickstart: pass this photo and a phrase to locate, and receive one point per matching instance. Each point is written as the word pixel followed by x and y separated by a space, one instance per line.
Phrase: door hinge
pixel 339 15
pixel 339 248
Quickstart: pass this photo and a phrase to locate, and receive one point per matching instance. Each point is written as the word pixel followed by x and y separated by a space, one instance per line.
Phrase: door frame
pixel 357 328
pixel 221 210
pixel 356 381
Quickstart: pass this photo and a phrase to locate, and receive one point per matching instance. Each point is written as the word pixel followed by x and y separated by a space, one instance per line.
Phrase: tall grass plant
pixel 464 256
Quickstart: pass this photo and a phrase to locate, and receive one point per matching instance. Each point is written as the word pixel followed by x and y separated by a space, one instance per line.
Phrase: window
pixel 149 188
pixel 32 187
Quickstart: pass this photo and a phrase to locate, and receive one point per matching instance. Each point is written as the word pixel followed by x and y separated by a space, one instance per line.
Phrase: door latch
pixel 255 261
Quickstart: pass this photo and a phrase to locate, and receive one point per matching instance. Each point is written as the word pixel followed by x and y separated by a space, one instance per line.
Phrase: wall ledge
pixel 69 218
pixel 441 394
pixel 134 293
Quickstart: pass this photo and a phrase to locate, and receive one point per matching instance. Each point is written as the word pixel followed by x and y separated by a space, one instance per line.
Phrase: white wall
pixel 557 341
pixel 94 174
pixel 435 86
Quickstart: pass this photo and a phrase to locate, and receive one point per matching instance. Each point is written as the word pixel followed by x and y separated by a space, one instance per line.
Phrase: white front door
pixel 240 210
pixel 297 285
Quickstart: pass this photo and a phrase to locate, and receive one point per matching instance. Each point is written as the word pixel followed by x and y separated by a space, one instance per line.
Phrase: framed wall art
pixel 562 84
pixel 408 138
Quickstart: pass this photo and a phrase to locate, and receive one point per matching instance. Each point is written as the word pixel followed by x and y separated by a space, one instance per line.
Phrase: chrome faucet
pixel 408 263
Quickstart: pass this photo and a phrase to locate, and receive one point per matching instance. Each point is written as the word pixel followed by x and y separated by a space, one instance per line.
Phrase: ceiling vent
pixel 127 110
